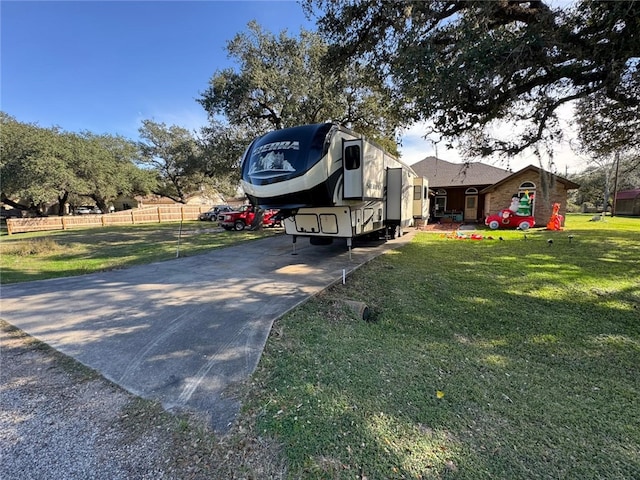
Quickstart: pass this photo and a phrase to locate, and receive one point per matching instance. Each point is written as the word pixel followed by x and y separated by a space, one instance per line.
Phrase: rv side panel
pixel 420 198
pixel 394 195
pixel 406 212
pixel 341 222
pixel 374 170
pixel 321 222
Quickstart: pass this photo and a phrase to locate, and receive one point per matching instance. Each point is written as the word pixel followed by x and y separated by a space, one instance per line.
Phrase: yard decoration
pixel 518 215
pixel 524 207
pixel 515 203
pixel 463 236
pixel 555 222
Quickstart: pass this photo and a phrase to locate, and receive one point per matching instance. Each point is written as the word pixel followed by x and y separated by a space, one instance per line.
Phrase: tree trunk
pixel 607 193
pixel 11 203
pixel 257 220
pixel 615 184
pixel 62 201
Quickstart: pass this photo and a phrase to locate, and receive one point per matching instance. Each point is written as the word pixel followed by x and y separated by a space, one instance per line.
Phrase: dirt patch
pixel 441 227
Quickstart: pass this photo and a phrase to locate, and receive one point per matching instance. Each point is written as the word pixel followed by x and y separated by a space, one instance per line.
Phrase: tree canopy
pixel 184 162
pixel 40 166
pixel 601 179
pixel 282 81
pixel 466 66
pixel 221 148
pixel 106 166
pixel 36 164
pixel 170 152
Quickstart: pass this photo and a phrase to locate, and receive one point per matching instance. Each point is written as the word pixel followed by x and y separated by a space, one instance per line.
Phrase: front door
pixel 471 208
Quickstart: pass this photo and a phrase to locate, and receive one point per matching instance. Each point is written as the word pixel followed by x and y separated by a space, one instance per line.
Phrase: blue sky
pixel 106 66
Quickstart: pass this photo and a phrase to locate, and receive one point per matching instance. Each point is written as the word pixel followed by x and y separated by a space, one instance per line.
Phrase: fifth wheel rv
pixel 330 182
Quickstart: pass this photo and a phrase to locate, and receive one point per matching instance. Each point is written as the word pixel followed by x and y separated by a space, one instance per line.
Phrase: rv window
pixel 352 157
pixel 417 192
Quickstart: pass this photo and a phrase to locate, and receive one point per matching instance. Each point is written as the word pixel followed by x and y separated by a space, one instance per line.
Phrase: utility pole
pixel 615 184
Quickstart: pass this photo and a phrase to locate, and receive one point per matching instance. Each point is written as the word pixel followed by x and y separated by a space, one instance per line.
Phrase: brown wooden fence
pixel 164 213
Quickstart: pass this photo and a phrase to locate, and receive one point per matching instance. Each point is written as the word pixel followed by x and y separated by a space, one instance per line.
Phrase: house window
pixel 471 191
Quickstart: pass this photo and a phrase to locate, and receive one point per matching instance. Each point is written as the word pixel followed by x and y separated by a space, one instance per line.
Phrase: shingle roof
pixel 569 185
pixel 446 174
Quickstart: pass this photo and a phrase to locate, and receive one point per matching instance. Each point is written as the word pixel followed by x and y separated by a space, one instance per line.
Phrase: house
pixel 456 188
pixel 628 203
pixel 470 192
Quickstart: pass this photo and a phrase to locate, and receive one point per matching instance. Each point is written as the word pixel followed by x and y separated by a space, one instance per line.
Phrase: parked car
pixel 508 219
pixel 239 219
pixel 87 209
pixel 213 214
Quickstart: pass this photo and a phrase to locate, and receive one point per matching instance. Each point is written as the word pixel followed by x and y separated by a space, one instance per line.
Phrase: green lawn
pixel 514 358
pixel 36 256
pixel 487 359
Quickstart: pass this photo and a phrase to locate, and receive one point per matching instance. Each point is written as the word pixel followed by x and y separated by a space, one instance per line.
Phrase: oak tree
pixel 170 151
pixel 40 166
pixel 469 67
pixel 282 81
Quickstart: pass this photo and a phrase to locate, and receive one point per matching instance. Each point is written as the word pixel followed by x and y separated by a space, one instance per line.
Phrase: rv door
pixel 352 169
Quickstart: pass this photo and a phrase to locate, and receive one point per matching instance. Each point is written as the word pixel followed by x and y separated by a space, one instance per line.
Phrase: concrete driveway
pixel 184 331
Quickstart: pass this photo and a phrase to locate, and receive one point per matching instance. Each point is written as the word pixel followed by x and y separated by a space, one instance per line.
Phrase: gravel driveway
pixel 60 420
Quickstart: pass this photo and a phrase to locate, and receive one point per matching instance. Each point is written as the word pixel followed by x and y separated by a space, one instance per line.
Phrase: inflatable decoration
pixel 556 220
pixel 518 215
pixel 524 207
pixel 515 203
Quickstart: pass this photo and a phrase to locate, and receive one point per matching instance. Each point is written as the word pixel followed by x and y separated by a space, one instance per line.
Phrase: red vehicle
pixel 239 219
pixel 508 219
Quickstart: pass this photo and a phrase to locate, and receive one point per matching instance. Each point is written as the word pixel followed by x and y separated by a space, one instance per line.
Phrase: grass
pixel 513 358
pixel 37 256
pixel 491 359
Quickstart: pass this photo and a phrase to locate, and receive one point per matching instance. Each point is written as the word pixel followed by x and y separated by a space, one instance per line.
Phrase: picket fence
pixel 164 213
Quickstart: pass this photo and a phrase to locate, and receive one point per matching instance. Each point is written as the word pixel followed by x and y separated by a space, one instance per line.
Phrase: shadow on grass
pixel 85 251
pixel 491 359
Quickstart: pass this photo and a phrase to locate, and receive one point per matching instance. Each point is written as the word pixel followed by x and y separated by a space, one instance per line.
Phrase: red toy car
pixel 508 219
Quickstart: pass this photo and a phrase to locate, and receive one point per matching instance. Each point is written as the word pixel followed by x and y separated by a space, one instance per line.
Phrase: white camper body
pixel 330 182
pixel 421 198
